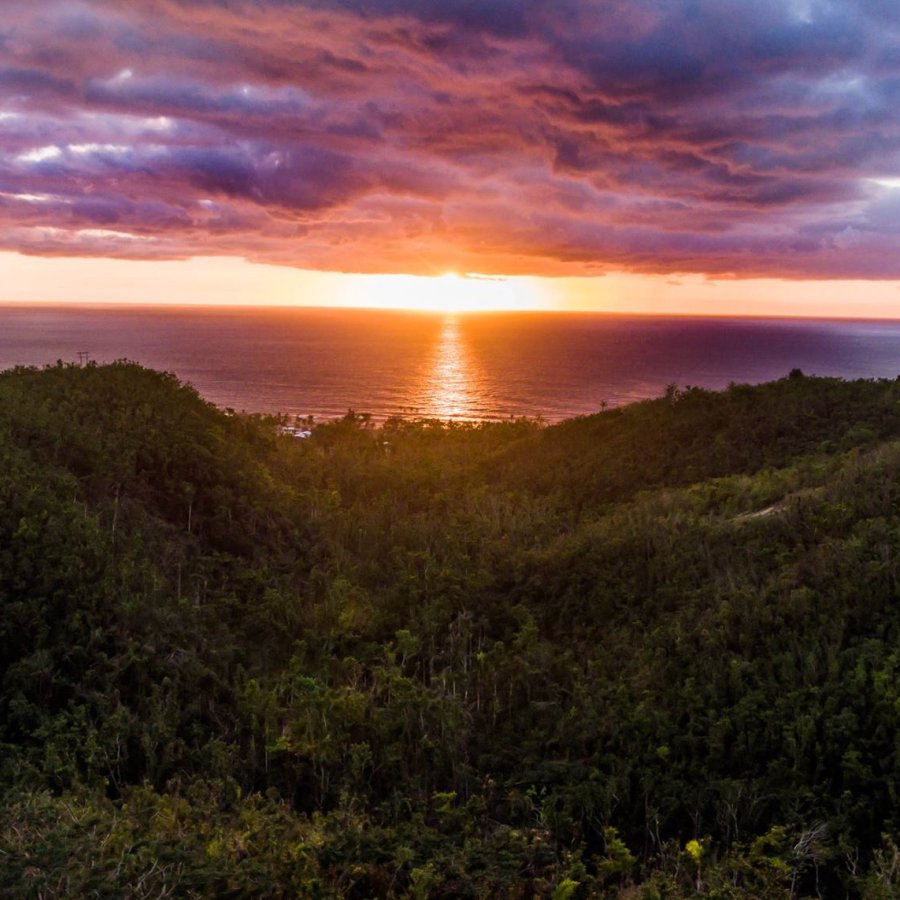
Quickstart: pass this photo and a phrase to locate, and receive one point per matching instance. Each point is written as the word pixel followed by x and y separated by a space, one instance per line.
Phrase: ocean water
pixel 471 366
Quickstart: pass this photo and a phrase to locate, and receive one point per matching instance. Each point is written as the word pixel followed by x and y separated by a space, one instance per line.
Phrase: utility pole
pixel 84 357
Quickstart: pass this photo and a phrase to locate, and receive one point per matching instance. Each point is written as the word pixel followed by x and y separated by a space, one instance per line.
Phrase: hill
pixel 651 652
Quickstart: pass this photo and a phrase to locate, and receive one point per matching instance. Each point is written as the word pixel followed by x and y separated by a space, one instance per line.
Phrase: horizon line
pixel 437 313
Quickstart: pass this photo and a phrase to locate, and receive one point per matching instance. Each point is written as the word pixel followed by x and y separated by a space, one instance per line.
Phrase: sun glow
pixel 447 293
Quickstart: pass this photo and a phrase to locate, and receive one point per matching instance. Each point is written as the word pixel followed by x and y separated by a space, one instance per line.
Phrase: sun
pixel 447 293
pixel 451 293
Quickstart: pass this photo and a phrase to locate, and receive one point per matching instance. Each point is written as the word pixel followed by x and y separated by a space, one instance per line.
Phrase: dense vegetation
pixel 653 652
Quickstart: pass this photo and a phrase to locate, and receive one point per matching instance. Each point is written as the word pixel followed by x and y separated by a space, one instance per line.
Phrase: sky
pixel 695 156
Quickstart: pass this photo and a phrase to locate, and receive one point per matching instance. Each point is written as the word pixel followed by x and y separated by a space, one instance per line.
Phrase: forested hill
pixel 651 653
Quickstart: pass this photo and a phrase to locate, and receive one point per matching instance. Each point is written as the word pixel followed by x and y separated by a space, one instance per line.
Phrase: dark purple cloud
pixel 513 136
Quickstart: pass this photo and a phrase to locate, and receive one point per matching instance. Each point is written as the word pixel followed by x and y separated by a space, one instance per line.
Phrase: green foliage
pixel 647 653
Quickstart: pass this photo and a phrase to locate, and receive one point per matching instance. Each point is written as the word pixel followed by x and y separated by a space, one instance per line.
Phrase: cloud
pixel 494 136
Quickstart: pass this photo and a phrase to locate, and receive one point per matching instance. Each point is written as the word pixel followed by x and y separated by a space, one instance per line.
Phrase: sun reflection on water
pixel 448 389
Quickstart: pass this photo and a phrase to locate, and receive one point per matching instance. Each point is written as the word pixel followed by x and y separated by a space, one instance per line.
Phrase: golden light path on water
pixel 448 390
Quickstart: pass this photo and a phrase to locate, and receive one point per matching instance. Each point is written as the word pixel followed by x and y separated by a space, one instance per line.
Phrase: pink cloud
pixel 501 137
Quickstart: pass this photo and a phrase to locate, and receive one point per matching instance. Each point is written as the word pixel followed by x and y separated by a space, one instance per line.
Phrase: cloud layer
pixel 497 136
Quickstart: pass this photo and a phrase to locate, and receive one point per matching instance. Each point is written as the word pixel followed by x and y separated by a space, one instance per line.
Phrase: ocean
pixel 489 366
